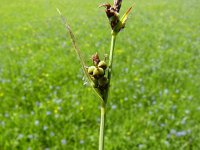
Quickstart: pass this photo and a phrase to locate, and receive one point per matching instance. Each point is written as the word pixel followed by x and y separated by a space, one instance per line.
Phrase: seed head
pixel 102 64
pixel 98 72
pixel 91 69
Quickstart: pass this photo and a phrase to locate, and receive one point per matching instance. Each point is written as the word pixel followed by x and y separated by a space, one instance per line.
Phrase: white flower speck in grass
pixel 6 115
pixel 172 117
pixel 48 113
pixel 139 105
pixel 63 141
pixel 134 97
pixel 77 103
pixel 45 128
pixel 37 122
pixel 172 131
pixel 30 136
pixel 160 93
pixel 81 141
pixel 190 98
pixel 166 91
pixel 29 148
pixel 114 106
pixel 20 136
pixel 187 111
pixel 167 143
pixel 141 146
pixel 52 134
pixel 55 92
pixel 125 80
pixel 125 98
pixel 150 112
pixel 56 115
pixel 162 125
pixel 189 131
pixel 50 87
pixel 38 104
pixel 174 107
pixel 23 97
pixel 57 87
pixel 183 121
pixel 181 133
pixel 57 101
pixel 32 113
pixel 3 124
pixel 177 91
pixel 154 102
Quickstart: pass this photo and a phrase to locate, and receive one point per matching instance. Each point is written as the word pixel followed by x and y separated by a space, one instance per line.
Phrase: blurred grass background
pixel 154 97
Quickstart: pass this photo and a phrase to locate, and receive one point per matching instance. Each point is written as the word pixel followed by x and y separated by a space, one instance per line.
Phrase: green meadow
pixel 154 101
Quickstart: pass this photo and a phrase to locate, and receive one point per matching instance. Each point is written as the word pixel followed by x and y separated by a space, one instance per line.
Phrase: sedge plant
pixel 99 74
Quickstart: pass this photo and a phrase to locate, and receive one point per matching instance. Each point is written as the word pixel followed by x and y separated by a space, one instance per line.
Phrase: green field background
pixel 154 101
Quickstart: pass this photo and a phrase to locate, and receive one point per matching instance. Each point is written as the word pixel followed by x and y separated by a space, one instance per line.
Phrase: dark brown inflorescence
pixel 112 12
pixel 117 5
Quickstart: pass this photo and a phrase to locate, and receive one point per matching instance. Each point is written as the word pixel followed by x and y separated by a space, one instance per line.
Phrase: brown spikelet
pixel 117 5
pixel 112 14
pixel 95 59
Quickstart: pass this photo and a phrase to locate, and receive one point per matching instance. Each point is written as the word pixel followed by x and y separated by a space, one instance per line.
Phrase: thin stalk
pixel 105 97
pixel 112 47
pixel 102 126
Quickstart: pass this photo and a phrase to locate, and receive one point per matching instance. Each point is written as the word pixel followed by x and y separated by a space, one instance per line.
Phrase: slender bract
pixel 97 92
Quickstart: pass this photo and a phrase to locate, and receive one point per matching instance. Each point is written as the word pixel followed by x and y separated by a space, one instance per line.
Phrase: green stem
pixel 112 47
pixel 105 96
pixel 102 126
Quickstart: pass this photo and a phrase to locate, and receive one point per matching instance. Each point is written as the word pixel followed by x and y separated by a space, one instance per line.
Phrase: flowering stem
pixel 105 97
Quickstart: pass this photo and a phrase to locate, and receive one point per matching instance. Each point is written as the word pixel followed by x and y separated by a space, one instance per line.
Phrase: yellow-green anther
pixel 102 64
pixel 91 69
pixel 98 72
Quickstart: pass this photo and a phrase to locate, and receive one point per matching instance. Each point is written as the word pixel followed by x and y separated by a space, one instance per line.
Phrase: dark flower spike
pixel 117 5
pixel 112 13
